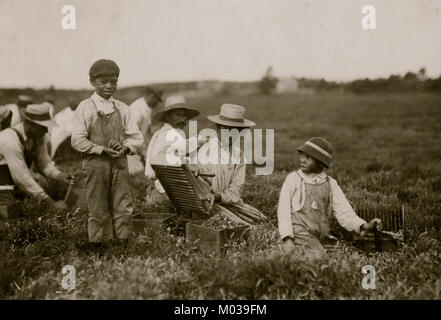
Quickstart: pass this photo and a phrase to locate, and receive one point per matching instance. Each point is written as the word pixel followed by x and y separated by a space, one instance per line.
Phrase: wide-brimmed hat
pixel 231 115
pixel 38 114
pixel 175 102
pixel 319 149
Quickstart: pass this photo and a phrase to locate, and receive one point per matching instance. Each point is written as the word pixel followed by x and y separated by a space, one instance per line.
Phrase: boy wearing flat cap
pixel 105 134
pixel 308 199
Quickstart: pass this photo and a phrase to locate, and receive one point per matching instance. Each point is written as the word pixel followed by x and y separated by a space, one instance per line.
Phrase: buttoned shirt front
pixel 12 154
pixel 86 115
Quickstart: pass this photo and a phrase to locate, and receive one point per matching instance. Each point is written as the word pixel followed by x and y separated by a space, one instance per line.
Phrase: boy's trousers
pixel 107 183
pixel 108 197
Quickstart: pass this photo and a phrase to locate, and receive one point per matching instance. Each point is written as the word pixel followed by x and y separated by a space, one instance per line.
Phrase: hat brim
pixel 191 113
pixel 45 123
pixel 244 124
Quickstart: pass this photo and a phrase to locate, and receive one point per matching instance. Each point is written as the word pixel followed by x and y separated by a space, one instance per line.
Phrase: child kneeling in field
pixel 308 198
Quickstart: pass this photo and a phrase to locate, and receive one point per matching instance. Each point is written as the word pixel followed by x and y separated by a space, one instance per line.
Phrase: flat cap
pixel 103 67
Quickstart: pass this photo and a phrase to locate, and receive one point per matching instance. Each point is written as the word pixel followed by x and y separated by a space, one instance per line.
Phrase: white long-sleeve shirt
pixel 11 153
pixel 169 146
pixel 16 117
pixel 141 113
pixel 85 117
pixel 229 177
pixel 292 198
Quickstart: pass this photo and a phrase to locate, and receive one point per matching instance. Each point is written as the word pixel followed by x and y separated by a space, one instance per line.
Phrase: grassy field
pixel 388 154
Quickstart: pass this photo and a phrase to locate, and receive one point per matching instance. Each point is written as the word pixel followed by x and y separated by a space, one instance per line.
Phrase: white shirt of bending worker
pixel 169 146
pixel 141 113
pixel 11 154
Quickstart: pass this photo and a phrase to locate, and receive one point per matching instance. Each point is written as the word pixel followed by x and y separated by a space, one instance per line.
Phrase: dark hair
pixel 318 166
pixel 152 91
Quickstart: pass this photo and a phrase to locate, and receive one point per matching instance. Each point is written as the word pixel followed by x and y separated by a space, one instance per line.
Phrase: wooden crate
pixel 144 222
pixel 393 218
pixel 208 239
pixel 393 225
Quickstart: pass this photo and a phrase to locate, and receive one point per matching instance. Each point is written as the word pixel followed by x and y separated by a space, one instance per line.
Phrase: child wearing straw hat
pixel 308 199
pixel 174 116
pixel 229 176
pixel 104 134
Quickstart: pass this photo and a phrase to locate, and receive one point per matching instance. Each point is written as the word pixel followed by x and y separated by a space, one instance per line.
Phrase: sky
pixel 233 40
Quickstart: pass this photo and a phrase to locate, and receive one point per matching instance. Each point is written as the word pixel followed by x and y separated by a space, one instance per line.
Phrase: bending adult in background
pixel 5 118
pixel 141 111
pixel 174 115
pixel 229 177
pixel 24 144
pixel 65 120
pixel 22 102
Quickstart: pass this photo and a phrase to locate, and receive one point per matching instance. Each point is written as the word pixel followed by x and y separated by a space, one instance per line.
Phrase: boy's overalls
pixel 311 224
pixel 107 192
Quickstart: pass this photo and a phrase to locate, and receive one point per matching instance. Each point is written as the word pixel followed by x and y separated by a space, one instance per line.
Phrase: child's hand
pixel 115 145
pixel 288 244
pixel 370 226
pixel 111 152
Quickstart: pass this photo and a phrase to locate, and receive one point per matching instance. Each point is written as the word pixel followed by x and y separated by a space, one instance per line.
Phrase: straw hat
pixel 175 102
pixel 231 115
pixel 39 114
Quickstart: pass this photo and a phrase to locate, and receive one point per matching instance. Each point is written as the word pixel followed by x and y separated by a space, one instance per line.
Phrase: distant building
pixel 287 85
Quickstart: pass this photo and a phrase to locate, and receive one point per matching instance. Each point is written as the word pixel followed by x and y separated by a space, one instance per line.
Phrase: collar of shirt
pixel 312 178
pixel 105 105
